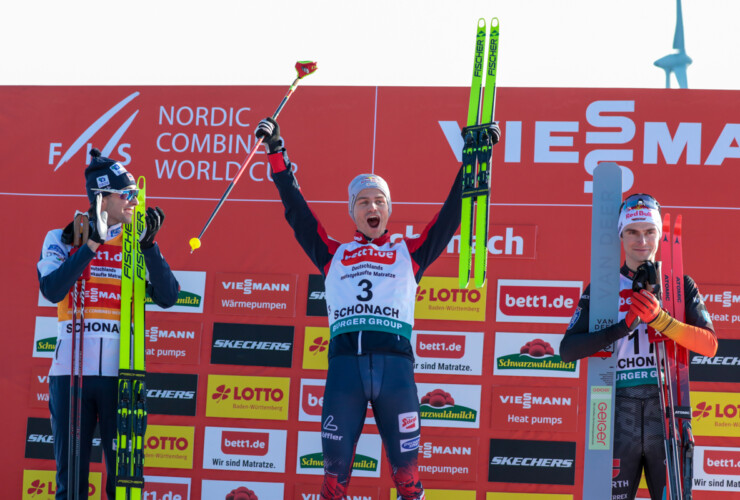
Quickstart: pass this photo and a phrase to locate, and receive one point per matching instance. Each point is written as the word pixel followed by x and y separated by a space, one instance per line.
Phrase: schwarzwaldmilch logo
pixel 440 405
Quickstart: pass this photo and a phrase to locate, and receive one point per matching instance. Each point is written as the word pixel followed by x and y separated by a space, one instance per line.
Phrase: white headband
pixel 639 214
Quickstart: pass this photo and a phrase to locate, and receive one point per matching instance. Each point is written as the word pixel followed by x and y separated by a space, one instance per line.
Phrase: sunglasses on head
pixel 640 200
pixel 125 194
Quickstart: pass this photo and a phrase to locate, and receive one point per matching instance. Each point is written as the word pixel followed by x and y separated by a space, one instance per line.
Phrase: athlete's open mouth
pixel 373 222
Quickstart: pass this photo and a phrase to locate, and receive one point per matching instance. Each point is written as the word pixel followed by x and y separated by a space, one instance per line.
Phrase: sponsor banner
pixel 723 305
pixel 716 469
pixel 238 449
pixel 190 298
pixel 440 298
pixel 536 301
pixel 312 402
pixel 504 242
pixel 539 462
pixel 310 459
pixel 449 405
pixel 252 345
pixel 453 353
pixel 309 492
pixel 316 348
pixel 42 485
pixel 171 393
pixel 45 337
pixel 723 367
pixel 523 408
pixel 531 355
pixel 316 299
pixel 716 414
pixel 217 490
pixel 443 494
pixel 452 458
pixel 38 396
pixel 526 496
pixel 40 441
pixel 166 488
pixel 173 341
pixel 261 295
pixel 169 446
pixel 233 396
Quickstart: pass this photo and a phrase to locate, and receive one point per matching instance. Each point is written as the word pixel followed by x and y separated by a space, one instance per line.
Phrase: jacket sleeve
pixel 308 231
pixel 580 343
pixel 426 247
pixel 162 286
pixel 57 270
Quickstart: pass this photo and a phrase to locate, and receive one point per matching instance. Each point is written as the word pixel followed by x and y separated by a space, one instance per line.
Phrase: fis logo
pixel 55 148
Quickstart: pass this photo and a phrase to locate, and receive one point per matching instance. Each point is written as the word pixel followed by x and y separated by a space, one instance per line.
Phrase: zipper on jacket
pixel 359 343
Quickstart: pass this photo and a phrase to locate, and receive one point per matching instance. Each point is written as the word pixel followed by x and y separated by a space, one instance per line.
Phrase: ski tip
pixel 194 244
pixel 481 22
pixel 494 22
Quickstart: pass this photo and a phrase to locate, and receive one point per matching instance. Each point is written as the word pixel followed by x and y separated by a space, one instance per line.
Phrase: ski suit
pixel 638 417
pixel 58 269
pixel 370 294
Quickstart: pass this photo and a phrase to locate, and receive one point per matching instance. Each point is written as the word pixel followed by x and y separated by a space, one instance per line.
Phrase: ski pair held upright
pixel 476 180
pixel 131 419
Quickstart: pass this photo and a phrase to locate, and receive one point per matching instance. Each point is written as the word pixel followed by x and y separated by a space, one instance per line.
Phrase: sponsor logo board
pixel 316 299
pixel 45 337
pixel 310 459
pixel 440 298
pixel 233 396
pixel 316 348
pixel 169 446
pixel 40 441
pixel 173 341
pixel 261 295
pixel 531 355
pixel 536 301
pixel 190 297
pixel 546 409
pixel 449 405
pixel 39 394
pixel 452 458
pixel 220 489
pixel 42 485
pixel 252 345
pixel 723 367
pixel 723 305
pixel 166 488
pixel 239 449
pixel 715 414
pixel 171 393
pixel 716 469
pixel 453 353
pixel 539 462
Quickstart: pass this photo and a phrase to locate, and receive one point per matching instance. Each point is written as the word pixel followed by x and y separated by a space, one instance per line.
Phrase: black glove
pixel 94 234
pixel 481 133
pixel 269 130
pixel 154 219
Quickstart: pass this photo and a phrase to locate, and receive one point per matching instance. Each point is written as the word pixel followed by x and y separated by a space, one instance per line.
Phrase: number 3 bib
pixel 371 288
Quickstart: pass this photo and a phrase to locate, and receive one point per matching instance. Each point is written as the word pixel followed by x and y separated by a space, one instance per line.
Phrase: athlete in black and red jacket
pixel 371 286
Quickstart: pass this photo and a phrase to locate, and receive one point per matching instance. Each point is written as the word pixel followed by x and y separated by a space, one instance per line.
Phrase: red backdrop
pixel 681 146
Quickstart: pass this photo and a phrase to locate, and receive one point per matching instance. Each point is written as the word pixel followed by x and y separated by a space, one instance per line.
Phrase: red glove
pixel 645 306
pixel 241 493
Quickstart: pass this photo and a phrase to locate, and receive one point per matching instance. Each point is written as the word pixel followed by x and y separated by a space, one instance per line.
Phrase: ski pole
pixel 304 68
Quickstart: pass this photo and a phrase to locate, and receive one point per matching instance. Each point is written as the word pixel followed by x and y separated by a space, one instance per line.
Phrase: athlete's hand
pixel 645 305
pixel 269 130
pixel 154 220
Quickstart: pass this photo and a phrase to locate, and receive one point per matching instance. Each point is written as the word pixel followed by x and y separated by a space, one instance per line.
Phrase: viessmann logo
pixel 368 254
pixel 111 144
pixel 249 285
